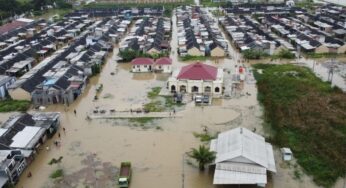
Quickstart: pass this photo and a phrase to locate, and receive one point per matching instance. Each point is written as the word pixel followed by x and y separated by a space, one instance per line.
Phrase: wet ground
pixel 93 149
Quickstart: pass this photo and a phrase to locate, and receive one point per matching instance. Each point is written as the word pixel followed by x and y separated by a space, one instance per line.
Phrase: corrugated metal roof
pixel 231 173
pixel 242 157
pixel 241 142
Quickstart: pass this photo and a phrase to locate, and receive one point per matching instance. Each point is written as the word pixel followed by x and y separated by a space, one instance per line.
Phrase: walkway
pixel 129 115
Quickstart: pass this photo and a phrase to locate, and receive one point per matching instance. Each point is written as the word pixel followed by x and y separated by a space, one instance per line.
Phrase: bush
pixel 154 92
pixel 284 54
pixel 57 174
pixel 193 58
pixel 254 54
pixel 14 105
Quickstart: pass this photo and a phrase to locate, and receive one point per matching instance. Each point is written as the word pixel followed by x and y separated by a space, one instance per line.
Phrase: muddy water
pixel 156 154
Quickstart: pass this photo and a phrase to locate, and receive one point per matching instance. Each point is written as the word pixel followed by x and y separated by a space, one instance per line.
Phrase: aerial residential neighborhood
pixel 157 93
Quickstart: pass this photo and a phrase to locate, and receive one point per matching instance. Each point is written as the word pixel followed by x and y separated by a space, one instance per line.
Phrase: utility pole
pixel 183 172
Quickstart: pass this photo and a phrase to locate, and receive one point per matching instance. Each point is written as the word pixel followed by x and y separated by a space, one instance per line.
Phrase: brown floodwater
pixel 93 149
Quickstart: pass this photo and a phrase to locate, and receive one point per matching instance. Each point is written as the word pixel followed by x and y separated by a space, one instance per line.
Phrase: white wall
pixel 142 68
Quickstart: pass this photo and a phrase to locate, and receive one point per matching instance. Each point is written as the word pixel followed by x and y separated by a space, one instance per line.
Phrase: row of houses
pixel 62 77
pixel 261 8
pixel 325 23
pixel 25 53
pixel 198 34
pixel 125 12
pixel 246 34
pixel 21 25
pixel 150 35
pixel 304 37
pixel 21 137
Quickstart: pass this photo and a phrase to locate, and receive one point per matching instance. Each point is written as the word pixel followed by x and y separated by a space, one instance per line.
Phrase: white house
pixel 5 82
pixel 163 64
pixel 142 64
pixel 197 78
pixel 242 157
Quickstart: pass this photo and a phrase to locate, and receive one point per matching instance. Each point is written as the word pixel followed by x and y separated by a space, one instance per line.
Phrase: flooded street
pixel 92 150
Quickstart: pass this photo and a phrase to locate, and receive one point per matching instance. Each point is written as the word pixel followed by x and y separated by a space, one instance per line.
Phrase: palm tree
pixel 202 155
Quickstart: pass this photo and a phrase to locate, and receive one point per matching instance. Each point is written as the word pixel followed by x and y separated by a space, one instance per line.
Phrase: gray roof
pixel 4 79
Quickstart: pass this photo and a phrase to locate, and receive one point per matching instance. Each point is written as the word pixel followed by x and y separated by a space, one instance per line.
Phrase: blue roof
pixel 50 82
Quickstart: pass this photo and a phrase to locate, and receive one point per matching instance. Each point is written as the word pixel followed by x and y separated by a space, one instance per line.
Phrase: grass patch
pixel 204 137
pixel 57 174
pixel 154 106
pixel 323 55
pixel 284 54
pixel 254 54
pixel 307 115
pixel 193 58
pixel 210 3
pixel 170 103
pixel 154 92
pixel 14 105
pixel 142 120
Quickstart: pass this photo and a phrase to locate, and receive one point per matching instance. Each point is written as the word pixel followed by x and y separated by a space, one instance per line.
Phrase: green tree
pixel 202 155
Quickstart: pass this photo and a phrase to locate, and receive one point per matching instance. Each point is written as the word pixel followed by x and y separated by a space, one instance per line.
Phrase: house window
pixel 137 66
pixel 145 66
pixel 160 67
pixel 207 89
pixel 217 90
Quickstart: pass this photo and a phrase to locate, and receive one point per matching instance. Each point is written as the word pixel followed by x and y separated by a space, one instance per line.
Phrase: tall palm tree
pixel 202 155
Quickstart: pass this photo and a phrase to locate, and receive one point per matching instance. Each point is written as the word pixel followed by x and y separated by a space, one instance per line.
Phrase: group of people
pixel 170 113
pixel 57 142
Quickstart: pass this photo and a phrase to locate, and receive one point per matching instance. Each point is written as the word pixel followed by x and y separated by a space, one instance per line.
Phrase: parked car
pixel 206 99
pixel 198 99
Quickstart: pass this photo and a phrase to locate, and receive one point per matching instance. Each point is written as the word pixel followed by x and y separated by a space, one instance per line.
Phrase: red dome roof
pixel 164 61
pixel 198 71
pixel 142 61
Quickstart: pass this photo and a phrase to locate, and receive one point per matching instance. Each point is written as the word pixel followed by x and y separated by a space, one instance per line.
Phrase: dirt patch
pixel 95 173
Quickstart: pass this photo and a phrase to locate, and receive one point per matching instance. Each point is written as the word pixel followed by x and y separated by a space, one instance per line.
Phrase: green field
pixel 14 105
pixel 307 115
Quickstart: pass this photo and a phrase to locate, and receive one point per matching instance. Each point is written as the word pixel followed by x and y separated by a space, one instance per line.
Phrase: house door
pixel 195 89
pixel 173 88
pixel 183 89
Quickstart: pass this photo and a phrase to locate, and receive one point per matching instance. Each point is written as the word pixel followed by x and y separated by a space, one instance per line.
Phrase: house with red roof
pixel 143 64
pixel 164 65
pixel 197 78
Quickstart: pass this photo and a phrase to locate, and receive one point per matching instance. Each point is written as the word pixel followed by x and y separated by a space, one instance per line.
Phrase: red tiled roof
pixel 164 61
pixel 198 71
pixel 142 61
pixel 11 26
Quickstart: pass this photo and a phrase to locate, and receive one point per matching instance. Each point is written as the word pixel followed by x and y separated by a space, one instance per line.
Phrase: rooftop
pixel 198 71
